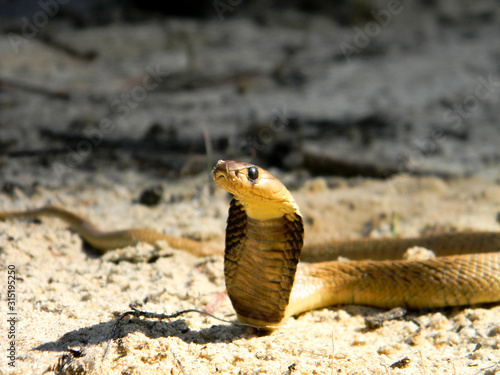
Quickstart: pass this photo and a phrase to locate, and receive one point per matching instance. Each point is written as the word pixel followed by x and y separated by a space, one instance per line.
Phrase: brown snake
pixel 264 240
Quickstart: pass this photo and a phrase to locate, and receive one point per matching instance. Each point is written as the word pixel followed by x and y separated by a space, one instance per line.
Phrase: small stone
pixel 494 331
pixel 386 350
pixel 151 196
pixel 359 340
pixel 418 253
pixel 440 322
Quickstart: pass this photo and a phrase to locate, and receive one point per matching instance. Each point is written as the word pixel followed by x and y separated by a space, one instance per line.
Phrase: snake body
pixel 105 241
pixel 264 241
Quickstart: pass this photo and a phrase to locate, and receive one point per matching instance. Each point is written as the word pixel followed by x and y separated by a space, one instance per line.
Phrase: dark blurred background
pixel 370 88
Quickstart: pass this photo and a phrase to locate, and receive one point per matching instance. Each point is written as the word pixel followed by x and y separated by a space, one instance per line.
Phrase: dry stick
pixel 13 84
pixel 152 315
pixel 179 363
pixel 402 363
pixel 34 152
pixel 333 351
pixel 49 41
pixel 422 362
pixel 493 366
pixel 208 147
pixel 177 144
pixel 376 321
pixel 210 161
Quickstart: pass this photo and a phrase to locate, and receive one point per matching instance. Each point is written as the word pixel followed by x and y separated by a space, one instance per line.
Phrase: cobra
pixel 264 238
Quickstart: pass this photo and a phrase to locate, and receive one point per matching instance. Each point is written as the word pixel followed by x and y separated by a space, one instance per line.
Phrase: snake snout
pixel 220 172
pixel 227 175
pixel 219 168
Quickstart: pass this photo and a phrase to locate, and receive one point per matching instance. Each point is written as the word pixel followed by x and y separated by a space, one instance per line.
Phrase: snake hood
pixel 264 238
pixel 262 194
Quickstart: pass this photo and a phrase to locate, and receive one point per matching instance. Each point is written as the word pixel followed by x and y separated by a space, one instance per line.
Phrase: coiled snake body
pixel 264 240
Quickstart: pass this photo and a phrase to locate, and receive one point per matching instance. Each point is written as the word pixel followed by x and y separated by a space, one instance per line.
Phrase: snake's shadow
pixel 101 333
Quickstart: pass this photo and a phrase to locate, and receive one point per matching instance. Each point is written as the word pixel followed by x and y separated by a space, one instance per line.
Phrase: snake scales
pixel 264 240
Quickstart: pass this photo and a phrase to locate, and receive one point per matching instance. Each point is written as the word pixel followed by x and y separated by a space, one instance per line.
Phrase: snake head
pixel 262 194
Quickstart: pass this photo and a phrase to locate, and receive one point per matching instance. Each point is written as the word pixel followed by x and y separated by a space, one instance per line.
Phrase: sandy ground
pixel 68 296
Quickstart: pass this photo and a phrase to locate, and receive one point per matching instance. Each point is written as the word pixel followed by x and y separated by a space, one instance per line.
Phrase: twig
pixel 422 362
pixel 333 352
pixel 494 366
pixel 152 315
pixel 48 40
pixel 376 321
pixel 11 84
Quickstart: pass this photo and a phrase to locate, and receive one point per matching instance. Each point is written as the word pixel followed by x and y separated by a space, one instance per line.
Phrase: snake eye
pixel 253 173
